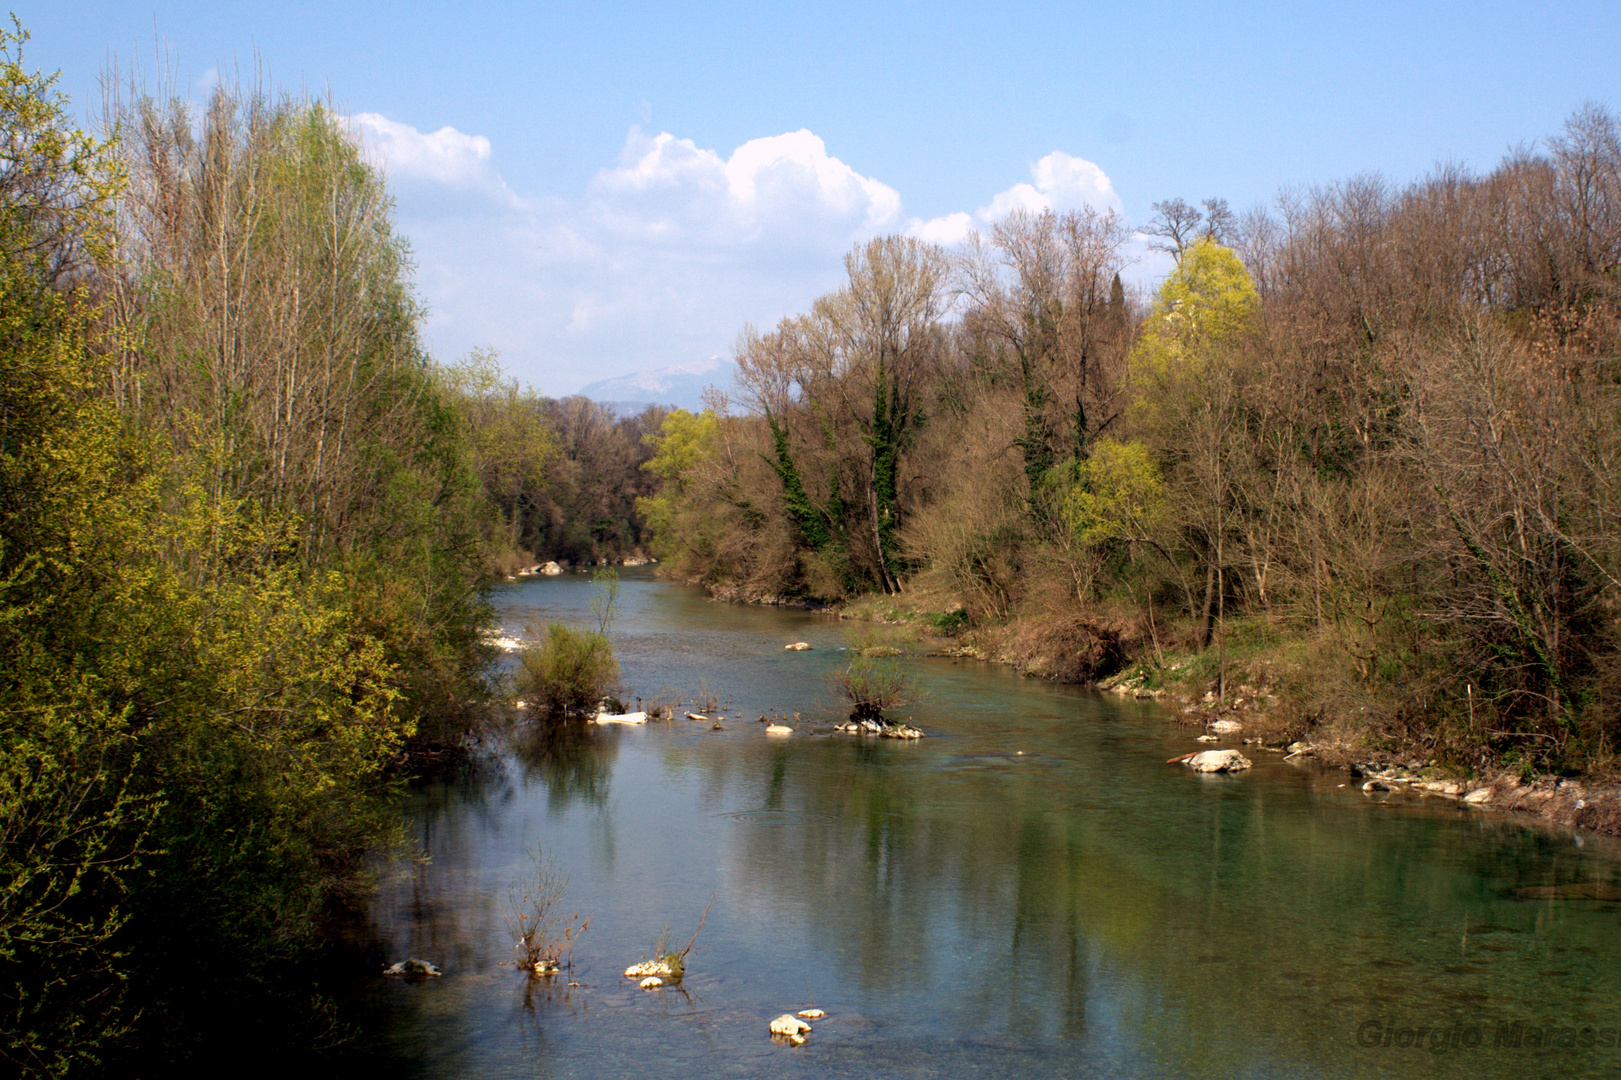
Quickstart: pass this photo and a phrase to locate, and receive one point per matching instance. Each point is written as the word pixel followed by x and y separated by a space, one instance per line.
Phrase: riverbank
pixel 1270 692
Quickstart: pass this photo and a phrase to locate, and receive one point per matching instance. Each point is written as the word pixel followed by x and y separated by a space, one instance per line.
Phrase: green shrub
pixel 871 686
pixel 570 671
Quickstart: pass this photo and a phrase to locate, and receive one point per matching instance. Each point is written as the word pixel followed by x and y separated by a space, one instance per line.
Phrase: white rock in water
pixel 798 646
pixel 901 731
pixel 1226 727
pixel 779 729
pixel 1218 761
pixel 413 967
pixel 1479 795
pixel 621 718
pixel 811 1014
pixel 789 1025
pixel 648 967
pixel 1207 738
pixel 652 982
pixel 550 569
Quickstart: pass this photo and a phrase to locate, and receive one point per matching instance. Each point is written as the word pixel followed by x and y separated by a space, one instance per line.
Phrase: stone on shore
pixel 1226 727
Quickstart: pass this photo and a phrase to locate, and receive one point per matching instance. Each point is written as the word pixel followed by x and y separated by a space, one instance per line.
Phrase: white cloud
pixel 663 256
pixel 1061 182
pixel 446 157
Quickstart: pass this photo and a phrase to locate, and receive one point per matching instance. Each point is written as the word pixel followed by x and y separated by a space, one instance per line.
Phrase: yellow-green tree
pixel 1188 371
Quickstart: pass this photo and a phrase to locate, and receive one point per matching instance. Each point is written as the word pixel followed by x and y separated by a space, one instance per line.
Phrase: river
pixel 1030 890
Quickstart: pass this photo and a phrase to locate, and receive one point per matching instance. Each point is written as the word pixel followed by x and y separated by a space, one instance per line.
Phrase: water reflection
pixel 1030 888
pixel 572 761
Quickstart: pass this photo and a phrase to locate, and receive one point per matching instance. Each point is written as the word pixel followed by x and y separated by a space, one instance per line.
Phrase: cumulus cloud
pixel 1060 182
pixel 664 255
pixel 781 188
pixel 443 158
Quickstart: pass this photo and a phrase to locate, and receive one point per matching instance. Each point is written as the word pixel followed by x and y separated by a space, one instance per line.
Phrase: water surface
pixel 1030 890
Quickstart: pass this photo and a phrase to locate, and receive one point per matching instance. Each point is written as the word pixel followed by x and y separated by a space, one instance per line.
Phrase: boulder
pixel 1211 761
pixel 901 731
pixel 652 982
pixel 1207 738
pixel 550 569
pixel 649 967
pixel 1478 796
pixel 413 969
pixel 1226 727
pixel 810 1014
pixel 798 646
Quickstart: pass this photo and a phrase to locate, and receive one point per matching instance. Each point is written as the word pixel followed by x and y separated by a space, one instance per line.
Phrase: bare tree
pixel 1220 225
pixel 1175 223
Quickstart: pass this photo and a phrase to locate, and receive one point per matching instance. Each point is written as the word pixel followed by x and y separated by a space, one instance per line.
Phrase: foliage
pixel 1114 494
pixel 570 671
pixel 871 685
pixel 1209 299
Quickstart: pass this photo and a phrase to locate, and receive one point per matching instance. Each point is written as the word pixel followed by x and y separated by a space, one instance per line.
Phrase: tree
pixel 1175 223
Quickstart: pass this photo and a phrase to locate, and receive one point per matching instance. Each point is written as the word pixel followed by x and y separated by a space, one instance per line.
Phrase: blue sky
pixel 571 175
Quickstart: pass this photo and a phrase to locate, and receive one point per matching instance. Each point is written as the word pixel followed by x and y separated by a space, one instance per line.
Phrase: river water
pixel 1028 891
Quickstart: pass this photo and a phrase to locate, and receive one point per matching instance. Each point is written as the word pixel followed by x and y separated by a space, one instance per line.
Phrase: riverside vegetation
pixel 1356 457
pixel 1359 451
pixel 247 531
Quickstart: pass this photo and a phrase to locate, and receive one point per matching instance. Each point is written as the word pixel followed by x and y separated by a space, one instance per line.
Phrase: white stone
pixel 1207 738
pixel 1226 727
pixel 798 646
pixel 649 967
pixel 621 718
pixel 811 1014
pixel 550 569
pixel 790 1025
pixel 1218 761
pixel 652 982
pixel 779 729
pixel 1478 796
pixel 413 967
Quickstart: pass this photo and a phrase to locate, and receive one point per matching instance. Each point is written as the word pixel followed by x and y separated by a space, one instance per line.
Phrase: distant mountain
pixel 680 386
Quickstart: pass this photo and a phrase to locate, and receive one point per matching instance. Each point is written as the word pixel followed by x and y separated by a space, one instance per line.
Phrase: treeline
pixel 561 477
pixel 1366 438
pixel 247 531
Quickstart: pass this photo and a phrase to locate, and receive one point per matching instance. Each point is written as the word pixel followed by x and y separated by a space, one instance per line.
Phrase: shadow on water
pixel 1030 888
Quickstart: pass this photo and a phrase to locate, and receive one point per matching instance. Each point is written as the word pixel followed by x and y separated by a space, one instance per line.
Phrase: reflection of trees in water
pixel 574 761
pixel 1203 920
